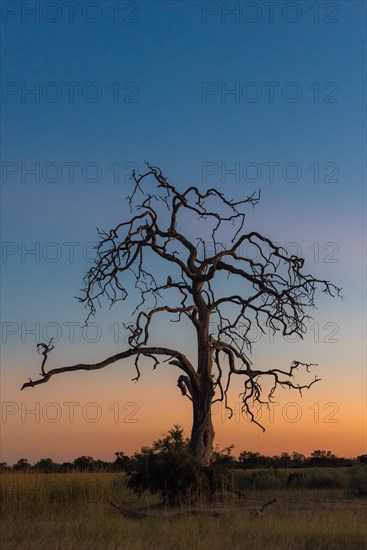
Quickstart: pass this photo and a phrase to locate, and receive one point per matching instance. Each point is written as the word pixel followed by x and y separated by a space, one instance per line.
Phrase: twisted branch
pixel 175 358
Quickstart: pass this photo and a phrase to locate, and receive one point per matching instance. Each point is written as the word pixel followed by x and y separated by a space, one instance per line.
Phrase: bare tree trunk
pixel 202 434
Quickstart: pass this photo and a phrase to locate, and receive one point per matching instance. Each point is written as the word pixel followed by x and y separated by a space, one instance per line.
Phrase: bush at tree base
pixel 170 469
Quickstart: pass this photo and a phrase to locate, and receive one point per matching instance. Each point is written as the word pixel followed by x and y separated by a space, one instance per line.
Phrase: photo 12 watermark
pixel 52 412
pixel 69 92
pixel 271 92
pixel 270 171
pixel 250 12
pixel 291 412
pixel 67 171
pixel 70 11
pixel 325 252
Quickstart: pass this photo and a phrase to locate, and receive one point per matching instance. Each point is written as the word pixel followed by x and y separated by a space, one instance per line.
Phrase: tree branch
pixel 181 361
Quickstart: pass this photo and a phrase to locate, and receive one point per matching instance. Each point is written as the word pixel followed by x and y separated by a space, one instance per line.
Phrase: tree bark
pixel 202 434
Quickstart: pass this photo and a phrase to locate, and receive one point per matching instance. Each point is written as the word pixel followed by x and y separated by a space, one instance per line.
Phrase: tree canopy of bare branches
pixel 271 291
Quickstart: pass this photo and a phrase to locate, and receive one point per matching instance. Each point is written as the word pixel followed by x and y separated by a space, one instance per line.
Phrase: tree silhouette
pixel 46 465
pixel 269 292
pixel 22 465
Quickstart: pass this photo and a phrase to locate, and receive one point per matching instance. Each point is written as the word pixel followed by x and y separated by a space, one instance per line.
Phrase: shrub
pixel 258 480
pixel 321 479
pixel 358 482
pixel 169 468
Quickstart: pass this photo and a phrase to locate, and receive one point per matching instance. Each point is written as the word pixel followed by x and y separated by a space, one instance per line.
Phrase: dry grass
pixel 71 511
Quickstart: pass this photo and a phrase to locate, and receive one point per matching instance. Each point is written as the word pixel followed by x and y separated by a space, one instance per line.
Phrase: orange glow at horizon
pixel 90 414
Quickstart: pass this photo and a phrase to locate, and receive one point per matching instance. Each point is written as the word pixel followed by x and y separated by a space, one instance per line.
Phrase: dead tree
pixel 271 292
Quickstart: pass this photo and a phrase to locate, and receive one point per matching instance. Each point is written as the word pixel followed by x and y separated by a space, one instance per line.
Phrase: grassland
pixel 71 511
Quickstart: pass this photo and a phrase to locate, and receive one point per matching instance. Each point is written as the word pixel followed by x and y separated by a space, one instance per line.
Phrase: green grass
pixel 71 511
pixel 352 479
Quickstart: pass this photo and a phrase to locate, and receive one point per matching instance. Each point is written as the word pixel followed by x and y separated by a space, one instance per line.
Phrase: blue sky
pixel 165 62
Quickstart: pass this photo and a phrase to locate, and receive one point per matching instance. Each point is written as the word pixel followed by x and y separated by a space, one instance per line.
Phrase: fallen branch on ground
pixel 259 510
pixel 214 512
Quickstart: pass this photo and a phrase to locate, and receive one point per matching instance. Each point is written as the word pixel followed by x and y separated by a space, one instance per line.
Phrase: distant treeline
pixel 246 460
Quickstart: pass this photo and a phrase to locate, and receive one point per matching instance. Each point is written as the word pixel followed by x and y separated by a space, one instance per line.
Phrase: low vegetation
pixel 72 511
pixel 161 498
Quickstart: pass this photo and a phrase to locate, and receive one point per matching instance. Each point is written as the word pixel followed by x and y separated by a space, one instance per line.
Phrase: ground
pixel 71 511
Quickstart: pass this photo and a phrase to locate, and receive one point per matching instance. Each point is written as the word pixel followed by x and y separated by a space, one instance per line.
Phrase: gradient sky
pixel 186 86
